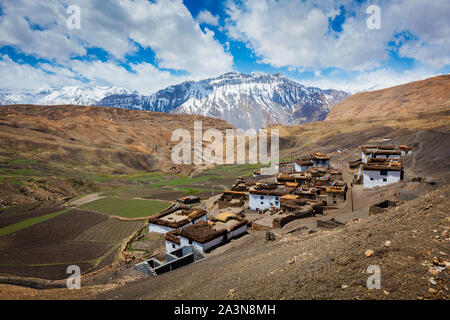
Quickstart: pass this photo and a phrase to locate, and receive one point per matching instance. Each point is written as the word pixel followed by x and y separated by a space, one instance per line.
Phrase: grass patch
pixel 184 180
pixel 28 223
pixel 127 208
pixel 12 210
pixel 190 190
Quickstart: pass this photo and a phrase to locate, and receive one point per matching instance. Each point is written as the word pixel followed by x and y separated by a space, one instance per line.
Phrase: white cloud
pixel 166 27
pixel 144 77
pixel 296 33
pixel 23 76
pixel 207 17
pixel 370 80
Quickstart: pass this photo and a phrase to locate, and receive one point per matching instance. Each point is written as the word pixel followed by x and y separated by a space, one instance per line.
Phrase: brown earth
pixel 46 249
pixel 135 139
pixel 57 152
pixel 428 95
pixel 12 218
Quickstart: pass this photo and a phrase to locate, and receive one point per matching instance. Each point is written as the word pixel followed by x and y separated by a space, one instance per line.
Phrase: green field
pixel 28 223
pixel 127 208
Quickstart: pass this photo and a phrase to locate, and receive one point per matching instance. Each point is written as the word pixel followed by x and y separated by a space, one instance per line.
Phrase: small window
pixel 383 172
pixel 384 179
pixel 371 179
pixel 277 198
pixel 173 246
pixel 334 201
pixel 262 197
pixel 262 202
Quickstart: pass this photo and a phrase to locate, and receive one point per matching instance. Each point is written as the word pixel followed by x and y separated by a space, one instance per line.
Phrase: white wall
pixel 392 156
pixel 406 153
pixel 202 246
pixel 373 179
pixel 170 244
pixel 158 228
pixel 237 232
pixel 299 168
pixel 364 156
pixel 208 245
pixel 255 202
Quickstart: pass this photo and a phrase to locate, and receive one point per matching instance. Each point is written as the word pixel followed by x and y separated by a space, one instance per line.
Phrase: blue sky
pixel 147 45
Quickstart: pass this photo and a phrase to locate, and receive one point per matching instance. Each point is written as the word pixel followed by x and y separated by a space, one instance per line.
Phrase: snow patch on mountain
pixel 77 95
pixel 246 101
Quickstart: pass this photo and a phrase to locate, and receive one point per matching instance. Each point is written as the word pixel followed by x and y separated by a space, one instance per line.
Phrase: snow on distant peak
pixel 77 95
pixel 246 101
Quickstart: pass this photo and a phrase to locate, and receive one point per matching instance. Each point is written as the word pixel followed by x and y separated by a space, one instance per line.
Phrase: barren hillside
pixel 134 139
pixel 428 133
pixel 428 95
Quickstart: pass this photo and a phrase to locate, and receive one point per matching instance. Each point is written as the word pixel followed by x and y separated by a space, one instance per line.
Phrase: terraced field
pixel 127 208
pixel 43 243
pixel 111 230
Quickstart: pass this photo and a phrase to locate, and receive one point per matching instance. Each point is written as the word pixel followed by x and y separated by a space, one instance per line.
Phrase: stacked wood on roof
pixel 185 213
pixel 202 232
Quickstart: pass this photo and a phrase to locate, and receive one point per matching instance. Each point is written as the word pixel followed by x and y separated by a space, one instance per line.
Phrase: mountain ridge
pixel 427 95
pixel 247 101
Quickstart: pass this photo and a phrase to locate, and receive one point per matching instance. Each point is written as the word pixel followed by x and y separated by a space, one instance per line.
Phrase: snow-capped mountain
pixel 246 101
pixel 77 95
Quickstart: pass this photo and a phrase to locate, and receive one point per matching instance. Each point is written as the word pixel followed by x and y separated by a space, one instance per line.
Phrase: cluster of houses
pixel 301 188
pixel 381 165
pixel 183 225
pixel 310 178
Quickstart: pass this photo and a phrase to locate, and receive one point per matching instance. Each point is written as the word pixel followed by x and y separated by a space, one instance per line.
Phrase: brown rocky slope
pixel 428 95
pixel 135 139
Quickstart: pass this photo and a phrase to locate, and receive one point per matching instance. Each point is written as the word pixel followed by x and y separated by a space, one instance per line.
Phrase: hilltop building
pixel 381 172
pixel 175 217
pixel 387 152
pixel 207 235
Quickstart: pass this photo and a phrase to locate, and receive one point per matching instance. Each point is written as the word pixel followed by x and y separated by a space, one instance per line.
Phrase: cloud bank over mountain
pixel 149 45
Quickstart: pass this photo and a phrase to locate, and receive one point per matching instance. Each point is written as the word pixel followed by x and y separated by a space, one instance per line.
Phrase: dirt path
pixel 84 199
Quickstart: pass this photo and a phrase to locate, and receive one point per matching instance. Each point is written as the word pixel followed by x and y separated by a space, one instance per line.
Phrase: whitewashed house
pixel 175 218
pixel 379 175
pixel 202 235
pixel 302 165
pixel 379 152
pixel 405 150
pixel 264 199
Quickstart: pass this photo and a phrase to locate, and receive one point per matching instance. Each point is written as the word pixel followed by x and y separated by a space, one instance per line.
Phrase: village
pixel 305 187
